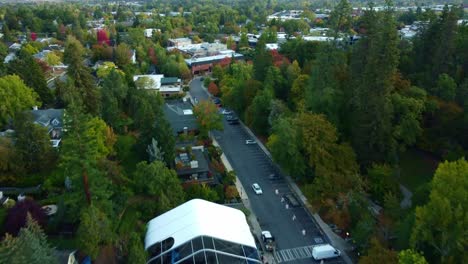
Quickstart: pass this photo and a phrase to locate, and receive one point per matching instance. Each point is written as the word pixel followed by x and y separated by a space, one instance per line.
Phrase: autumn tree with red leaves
pixel 213 89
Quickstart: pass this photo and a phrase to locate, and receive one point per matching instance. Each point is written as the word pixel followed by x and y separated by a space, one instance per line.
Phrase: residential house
pixel 180 115
pixel 166 86
pixel 52 119
pixel 191 164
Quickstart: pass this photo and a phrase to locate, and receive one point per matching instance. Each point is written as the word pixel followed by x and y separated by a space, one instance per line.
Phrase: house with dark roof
pixel 52 119
pixel 180 115
pixel 192 166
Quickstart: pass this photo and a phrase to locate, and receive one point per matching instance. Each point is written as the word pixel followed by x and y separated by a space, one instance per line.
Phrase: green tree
pixel 202 191
pixel 30 246
pixel 285 147
pixel 122 55
pixel 381 181
pixel 446 87
pixel 340 18
pixel 410 256
pixel 378 253
pixel 80 75
pixel 16 97
pixel 156 180
pixel 373 65
pixel 325 93
pixel 244 41
pixel 208 117
pixel 52 59
pixel 114 94
pixel 257 113
pixel 446 210
pixel 86 142
pixel 136 250
pixel 94 231
pixel 334 164
pixel 32 146
pixel 29 70
pixel 262 62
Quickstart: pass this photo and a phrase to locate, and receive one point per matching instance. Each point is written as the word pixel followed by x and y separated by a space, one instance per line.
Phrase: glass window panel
pixel 229 259
pixel 197 244
pixel 210 257
pixel 154 250
pixel 183 250
pixel 167 244
pixel 155 261
pixel 228 247
pixel 208 242
pixel 251 252
pixel 187 261
pixel 167 257
pixel 200 258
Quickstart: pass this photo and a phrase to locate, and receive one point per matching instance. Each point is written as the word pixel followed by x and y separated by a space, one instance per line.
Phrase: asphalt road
pixel 253 166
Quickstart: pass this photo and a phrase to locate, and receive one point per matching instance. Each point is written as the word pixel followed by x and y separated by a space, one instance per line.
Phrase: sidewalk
pixel 335 240
pixel 251 219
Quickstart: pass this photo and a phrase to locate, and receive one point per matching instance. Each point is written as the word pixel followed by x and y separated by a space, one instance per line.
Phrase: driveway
pixel 253 166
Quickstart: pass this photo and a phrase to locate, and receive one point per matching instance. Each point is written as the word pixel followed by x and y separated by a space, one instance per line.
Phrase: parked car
pixel 232 120
pixel 291 200
pixel 226 112
pixel 257 188
pixel 325 252
pixel 268 240
pixel 250 142
pixel 273 177
pixel 216 101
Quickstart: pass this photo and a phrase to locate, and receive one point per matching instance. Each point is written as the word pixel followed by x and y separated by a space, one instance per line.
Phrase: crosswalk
pixel 292 254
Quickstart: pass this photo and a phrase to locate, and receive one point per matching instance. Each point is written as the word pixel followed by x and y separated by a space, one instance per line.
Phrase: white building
pixel 199 231
pixel 166 86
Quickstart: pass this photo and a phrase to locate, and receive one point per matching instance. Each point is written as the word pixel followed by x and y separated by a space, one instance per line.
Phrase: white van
pixel 325 252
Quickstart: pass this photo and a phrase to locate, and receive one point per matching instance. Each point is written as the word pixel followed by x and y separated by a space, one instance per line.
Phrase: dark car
pixel 216 101
pixel 232 119
pixel 291 200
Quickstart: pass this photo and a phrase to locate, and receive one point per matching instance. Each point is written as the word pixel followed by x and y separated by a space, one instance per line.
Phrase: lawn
pixel 417 168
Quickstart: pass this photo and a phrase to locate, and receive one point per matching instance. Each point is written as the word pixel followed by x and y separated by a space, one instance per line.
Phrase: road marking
pixel 278 257
pixel 291 254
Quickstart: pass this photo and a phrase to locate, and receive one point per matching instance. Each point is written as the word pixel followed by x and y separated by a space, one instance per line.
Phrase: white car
pixel 226 112
pixel 257 188
pixel 250 142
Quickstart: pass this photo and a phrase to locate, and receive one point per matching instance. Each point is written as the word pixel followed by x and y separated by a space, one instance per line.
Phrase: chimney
pixel 35 108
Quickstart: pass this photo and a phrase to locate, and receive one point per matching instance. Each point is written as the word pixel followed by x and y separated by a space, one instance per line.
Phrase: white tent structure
pixel 197 218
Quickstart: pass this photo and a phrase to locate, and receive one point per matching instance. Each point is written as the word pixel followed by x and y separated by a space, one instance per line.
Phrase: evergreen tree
pixel 81 76
pixel 29 247
pixel 33 146
pixel 29 70
pixel 94 231
pixel 373 66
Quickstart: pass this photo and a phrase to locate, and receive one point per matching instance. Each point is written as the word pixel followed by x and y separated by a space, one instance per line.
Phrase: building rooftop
pixel 180 115
pixel 199 218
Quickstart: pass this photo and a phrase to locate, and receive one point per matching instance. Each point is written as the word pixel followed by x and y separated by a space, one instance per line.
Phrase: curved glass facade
pixel 202 250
